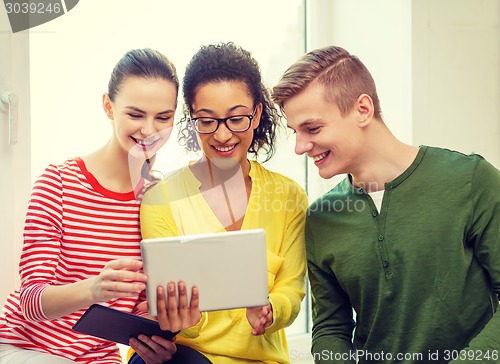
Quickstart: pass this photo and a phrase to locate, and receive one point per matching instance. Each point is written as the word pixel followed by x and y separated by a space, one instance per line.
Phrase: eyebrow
pixel 305 123
pixel 142 111
pixel 229 110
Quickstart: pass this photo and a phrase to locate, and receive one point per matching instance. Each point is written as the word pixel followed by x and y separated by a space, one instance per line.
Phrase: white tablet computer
pixel 229 268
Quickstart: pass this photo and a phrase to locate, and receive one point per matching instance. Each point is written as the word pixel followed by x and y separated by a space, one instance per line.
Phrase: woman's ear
pixel 257 116
pixel 106 104
pixel 364 107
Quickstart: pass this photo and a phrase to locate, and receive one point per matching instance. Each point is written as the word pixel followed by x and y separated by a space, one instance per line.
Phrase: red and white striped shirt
pixel 74 226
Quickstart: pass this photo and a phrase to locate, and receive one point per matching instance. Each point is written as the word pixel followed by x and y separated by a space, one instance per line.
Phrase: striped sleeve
pixel 42 239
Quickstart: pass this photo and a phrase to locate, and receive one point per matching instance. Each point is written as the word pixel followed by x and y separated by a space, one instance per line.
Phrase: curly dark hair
pixel 228 62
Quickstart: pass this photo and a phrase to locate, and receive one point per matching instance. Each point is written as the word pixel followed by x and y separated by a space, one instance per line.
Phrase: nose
pixel 222 134
pixel 148 128
pixel 302 145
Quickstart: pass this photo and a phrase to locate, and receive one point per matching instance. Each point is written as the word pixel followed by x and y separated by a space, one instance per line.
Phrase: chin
pixel 137 153
pixel 327 174
pixel 225 163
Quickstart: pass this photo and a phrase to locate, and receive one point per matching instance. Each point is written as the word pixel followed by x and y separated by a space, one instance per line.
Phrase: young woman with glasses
pixel 229 115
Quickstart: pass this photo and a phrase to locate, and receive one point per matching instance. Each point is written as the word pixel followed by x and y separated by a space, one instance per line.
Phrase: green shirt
pixel 422 275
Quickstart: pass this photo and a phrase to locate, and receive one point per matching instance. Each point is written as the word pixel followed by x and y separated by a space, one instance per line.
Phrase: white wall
pixel 73 55
pixel 379 33
pixel 15 181
pixel 456 75
pixel 436 64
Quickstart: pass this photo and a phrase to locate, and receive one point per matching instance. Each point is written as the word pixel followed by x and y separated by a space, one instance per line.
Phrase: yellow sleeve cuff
pixel 194 331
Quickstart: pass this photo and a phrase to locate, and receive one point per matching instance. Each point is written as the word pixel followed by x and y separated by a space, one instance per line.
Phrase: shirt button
pixel 386 264
pixel 374 213
pixel 381 237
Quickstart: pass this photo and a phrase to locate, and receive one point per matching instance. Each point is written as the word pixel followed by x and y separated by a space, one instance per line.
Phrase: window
pixel 72 58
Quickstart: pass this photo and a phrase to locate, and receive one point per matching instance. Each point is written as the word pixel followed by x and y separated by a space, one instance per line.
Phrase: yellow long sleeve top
pixel 277 204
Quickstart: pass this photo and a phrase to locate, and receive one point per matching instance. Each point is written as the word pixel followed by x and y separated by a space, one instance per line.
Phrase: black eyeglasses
pixel 235 123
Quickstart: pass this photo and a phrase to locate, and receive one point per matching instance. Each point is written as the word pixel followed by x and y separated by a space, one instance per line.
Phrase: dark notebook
pixel 113 325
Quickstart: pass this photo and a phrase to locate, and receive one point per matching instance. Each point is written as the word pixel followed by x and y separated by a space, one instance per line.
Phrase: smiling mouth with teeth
pixel 145 143
pixel 224 149
pixel 317 158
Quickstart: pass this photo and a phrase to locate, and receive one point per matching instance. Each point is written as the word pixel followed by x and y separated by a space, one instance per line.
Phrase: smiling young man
pixel 415 252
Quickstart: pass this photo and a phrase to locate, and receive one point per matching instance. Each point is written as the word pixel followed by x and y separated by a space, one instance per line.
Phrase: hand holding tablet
pixel 187 313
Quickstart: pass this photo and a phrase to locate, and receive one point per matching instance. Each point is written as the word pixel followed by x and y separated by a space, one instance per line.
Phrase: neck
pixel 384 158
pixel 212 173
pixel 115 170
pixel 225 187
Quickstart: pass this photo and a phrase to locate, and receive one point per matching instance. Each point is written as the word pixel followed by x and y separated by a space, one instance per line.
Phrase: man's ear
pixel 106 105
pixel 364 108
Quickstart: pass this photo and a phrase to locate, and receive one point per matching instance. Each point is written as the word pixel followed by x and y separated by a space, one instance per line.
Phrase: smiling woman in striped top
pixel 81 236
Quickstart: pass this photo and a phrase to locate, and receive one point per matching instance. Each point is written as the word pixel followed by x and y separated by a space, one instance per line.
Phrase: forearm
pixel 287 293
pixel 288 266
pixel 332 317
pixel 119 278
pixel 484 235
pixel 333 324
pixel 485 346
pixel 285 308
pixel 332 350
pixel 58 301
